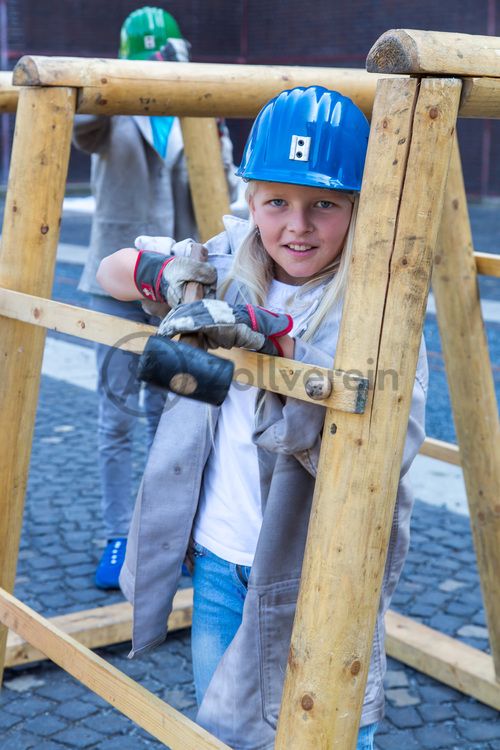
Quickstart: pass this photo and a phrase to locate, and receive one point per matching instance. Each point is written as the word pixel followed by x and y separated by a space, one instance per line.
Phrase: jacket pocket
pixel 276 613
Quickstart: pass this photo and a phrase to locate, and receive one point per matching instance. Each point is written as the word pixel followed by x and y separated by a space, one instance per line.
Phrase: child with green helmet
pixel 140 183
pixel 232 487
pixel 146 31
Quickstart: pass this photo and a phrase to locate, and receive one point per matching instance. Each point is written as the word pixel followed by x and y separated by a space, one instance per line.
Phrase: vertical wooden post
pixel 206 174
pixel 399 215
pixel 472 389
pixel 32 217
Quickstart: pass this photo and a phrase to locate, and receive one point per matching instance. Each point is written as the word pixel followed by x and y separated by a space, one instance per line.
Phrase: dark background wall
pixel 289 32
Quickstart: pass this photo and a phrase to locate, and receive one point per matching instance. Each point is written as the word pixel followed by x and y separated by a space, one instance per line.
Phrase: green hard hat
pixel 145 31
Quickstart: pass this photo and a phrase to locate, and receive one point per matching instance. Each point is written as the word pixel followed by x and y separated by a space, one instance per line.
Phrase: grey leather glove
pixel 246 326
pixel 162 279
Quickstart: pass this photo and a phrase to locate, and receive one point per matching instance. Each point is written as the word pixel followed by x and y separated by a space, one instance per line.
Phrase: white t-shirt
pixel 230 512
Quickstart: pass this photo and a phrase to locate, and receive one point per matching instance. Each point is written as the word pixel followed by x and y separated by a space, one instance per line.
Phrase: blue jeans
pixel 220 588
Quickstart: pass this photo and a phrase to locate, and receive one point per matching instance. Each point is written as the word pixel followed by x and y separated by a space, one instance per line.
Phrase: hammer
pixel 184 366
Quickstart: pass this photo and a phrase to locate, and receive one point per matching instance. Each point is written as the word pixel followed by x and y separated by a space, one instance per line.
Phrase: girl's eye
pixel 278 202
pixel 325 204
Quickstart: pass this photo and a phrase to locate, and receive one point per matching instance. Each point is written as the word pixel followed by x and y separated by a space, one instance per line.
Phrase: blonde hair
pixel 253 271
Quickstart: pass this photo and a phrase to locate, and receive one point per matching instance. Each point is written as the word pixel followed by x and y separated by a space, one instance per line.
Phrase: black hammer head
pixel 185 370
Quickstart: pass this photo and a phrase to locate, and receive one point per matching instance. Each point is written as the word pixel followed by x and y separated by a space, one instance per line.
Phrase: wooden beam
pixel 8 93
pixel 360 462
pixel 32 216
pixel 184 89
pixel 487 264
pixel 415 52
pixel 94 628
pixel 475 411
pixel 441 451
pixel 480 98
pixel 207 179
pixel 147 710
pixel 444 658
pixel 349 390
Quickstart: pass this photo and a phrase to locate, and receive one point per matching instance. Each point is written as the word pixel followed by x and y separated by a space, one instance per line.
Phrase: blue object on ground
pixel 108 570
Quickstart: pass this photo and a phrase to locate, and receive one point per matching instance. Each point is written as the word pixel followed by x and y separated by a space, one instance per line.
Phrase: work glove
pixel 161 279
pixel 246 326
pixel 175 50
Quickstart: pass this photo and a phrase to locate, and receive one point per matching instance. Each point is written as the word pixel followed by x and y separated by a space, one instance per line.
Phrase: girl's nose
pixel 299 221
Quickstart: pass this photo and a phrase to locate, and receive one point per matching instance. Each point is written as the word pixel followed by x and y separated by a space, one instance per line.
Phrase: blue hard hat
pixel 308 136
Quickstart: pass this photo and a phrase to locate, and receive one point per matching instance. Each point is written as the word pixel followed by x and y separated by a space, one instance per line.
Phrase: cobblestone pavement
pixel 42 707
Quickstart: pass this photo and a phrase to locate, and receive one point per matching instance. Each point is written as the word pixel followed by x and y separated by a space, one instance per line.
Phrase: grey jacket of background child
pixel 136 191
pixel 242 701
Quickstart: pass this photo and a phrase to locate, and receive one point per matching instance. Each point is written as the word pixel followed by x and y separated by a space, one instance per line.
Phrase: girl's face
pixel 302 228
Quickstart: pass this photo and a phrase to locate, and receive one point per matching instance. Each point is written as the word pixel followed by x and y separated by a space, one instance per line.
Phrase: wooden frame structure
pixel 412 202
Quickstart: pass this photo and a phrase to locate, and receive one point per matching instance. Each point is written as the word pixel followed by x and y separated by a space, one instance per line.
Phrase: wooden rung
pixel 441 450
pixel 348 391
pixel 94 628
pixel 147 710
pixel 486 263
pixel 444 658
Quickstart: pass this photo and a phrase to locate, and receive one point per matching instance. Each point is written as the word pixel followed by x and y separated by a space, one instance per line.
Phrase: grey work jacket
pixel 242 701
pixel 135 189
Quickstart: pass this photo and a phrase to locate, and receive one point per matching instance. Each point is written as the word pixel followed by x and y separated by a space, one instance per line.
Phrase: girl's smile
pixel 302 228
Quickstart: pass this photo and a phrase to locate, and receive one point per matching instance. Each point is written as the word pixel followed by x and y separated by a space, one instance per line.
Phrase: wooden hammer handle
pixel 193 292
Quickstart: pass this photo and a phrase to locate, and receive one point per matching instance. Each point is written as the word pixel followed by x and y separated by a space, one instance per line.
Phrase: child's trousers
pixel 219 593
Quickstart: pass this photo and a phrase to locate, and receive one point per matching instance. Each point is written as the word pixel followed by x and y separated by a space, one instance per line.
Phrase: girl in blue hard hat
pixel 233 486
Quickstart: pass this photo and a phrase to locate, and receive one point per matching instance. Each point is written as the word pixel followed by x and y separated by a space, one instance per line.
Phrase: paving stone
pixel 479 731
pixel 402 697
pixel 61 690
pixel 397 741
pixel 121 743
pixel 447 624
pixel 473 631
pixel 461 609
pixel 404 718
pixel 395 678
pixel 437 693
pixel 474 710
pixel 45 725
pixel 79 737
pixel 8 720
pixel 75 709
pixel 21 741
pixel 30 707
pixel 110 723
pixel 436 737
pixel 23 683
pixel 434 712
pixel 451 585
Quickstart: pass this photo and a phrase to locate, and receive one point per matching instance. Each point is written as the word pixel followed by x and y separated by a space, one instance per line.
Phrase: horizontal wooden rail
pixel 415 52
pixel 285 376
pixel 487 264
pixel 444 658
pixel 8 93
pixel 145 709
pixel 102 626
pixel 201 93
pixel 184 89
pixel 441 451
pixel 462 667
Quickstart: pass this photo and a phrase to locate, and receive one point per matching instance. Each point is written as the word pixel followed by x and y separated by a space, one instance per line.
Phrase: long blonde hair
pixel 253 271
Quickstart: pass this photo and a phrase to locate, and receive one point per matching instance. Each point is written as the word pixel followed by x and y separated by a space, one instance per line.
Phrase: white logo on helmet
pixel 149 41
pixel 299 147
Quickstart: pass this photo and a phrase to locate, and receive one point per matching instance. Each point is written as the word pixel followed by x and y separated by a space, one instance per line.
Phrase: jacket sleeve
pixel 294 427
pixel 90 132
